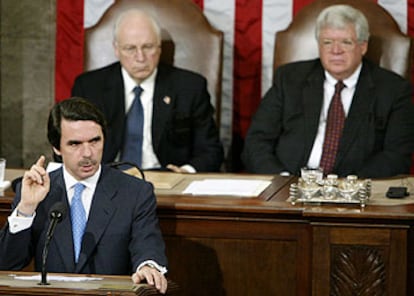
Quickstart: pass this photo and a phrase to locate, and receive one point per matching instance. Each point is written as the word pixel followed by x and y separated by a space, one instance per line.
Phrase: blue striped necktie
pixel 134 129
pixel 78 216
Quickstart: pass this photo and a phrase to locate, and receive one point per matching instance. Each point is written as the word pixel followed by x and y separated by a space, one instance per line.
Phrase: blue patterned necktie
pixel 134 129
pixel 78 215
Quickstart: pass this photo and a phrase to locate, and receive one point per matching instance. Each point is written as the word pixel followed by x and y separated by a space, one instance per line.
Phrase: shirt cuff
pixel 19 223
pixel 160 268
pixel 188 168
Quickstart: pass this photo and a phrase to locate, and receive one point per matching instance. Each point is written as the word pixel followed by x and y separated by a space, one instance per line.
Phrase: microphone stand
pixel 57 213
pixel 44 257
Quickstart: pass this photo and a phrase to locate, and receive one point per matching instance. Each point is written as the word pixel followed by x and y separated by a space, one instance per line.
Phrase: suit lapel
pixel 312 98
pixel 163 104
pixel 114 104
pixel 100 215
pixel 358 112
pixel 113 94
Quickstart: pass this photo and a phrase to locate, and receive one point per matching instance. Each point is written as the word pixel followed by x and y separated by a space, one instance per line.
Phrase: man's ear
pixel 56 151
pixel 364 48
pixel 116 50
pixel 57 155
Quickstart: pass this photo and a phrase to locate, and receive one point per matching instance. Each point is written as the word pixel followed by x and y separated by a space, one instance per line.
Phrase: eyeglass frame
pixel 131 50
pixel 344 44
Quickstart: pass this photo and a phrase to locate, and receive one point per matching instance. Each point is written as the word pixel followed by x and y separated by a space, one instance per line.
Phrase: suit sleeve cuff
pixel 19 223
pixel 154 264
pixel 188 168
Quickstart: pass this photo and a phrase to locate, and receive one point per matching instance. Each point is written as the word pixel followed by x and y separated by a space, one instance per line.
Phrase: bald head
pixel 136 17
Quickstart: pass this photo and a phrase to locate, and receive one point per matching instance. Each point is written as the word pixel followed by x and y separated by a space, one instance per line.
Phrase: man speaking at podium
pixel 111 226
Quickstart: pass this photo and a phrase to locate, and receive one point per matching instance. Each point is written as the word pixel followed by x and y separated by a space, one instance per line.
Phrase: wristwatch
pixel 20 214
pixel 151 265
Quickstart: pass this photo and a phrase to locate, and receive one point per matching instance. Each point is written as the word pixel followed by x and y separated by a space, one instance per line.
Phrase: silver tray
pixel 323 200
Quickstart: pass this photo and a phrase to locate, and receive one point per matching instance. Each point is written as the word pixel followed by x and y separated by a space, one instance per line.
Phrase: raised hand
pixel 35 186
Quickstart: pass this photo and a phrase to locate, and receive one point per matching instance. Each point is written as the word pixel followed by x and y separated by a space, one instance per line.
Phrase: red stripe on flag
pixel 410 32
pixel 69 46
pixel 299 4
pixel 410 16
pixel 200 3
pixel 247 63
pixel 410 27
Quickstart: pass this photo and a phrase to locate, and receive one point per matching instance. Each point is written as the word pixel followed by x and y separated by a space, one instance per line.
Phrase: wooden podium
pixel 264 245
pixel 27 283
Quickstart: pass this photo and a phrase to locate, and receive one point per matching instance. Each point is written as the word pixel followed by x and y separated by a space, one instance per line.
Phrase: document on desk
pixel 58 278
pixel 235 187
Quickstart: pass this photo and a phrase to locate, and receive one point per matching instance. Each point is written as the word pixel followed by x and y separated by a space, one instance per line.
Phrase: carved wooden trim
pixel 357 270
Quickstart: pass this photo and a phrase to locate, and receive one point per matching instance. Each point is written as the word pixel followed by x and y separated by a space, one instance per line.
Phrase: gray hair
pixel 339 17
pixel 139 14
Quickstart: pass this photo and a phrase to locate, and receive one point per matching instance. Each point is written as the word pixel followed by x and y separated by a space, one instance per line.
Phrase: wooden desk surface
pixel 272 200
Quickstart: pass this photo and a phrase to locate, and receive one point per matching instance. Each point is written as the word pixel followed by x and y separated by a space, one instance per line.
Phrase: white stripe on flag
pixel 398 9
pixel 221 15
pixel 276 16
pixel 93 10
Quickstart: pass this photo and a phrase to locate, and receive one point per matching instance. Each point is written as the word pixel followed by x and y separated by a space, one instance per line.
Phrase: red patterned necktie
pixel 334 126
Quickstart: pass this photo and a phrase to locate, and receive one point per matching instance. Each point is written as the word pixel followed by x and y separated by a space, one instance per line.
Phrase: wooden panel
pixel 354 235
pixel 358 270
pixel 359 260
pixel 226 257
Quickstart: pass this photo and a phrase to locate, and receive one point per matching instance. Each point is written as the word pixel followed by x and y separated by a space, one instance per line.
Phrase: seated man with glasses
pixel 159 116
pixel 340 112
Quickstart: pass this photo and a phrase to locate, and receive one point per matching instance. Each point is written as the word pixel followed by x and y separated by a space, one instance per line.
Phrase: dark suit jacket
pixel 183 131
pixel 122 230
pixel 378 137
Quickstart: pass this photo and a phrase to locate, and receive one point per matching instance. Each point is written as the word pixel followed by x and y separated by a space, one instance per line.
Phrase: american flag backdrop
pixel 249 28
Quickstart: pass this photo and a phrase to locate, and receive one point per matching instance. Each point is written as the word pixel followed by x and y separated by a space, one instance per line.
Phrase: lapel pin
pixel 167 100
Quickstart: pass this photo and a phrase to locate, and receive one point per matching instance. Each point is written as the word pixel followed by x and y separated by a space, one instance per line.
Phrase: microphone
pixel 56 214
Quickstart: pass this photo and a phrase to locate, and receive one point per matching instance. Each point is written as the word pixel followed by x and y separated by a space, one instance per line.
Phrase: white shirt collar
pixel 90 182
pixel 350 82
pixel 130 83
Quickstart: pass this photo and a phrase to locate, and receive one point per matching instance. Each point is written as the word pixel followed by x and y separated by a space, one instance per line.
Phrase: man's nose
pixel 337 47
pixel 139 54
pixel 86 150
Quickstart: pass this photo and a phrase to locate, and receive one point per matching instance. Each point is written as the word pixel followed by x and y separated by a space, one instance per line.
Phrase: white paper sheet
pixel 58 278
pixel 236 187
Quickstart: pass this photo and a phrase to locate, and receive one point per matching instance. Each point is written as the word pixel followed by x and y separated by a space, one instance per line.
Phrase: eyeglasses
pixel 146 49
pixel 345 44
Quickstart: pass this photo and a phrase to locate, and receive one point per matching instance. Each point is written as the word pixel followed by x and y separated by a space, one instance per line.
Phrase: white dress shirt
pixel 87 193
pixel 346 98
pixel 149 159
pixel 19 223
